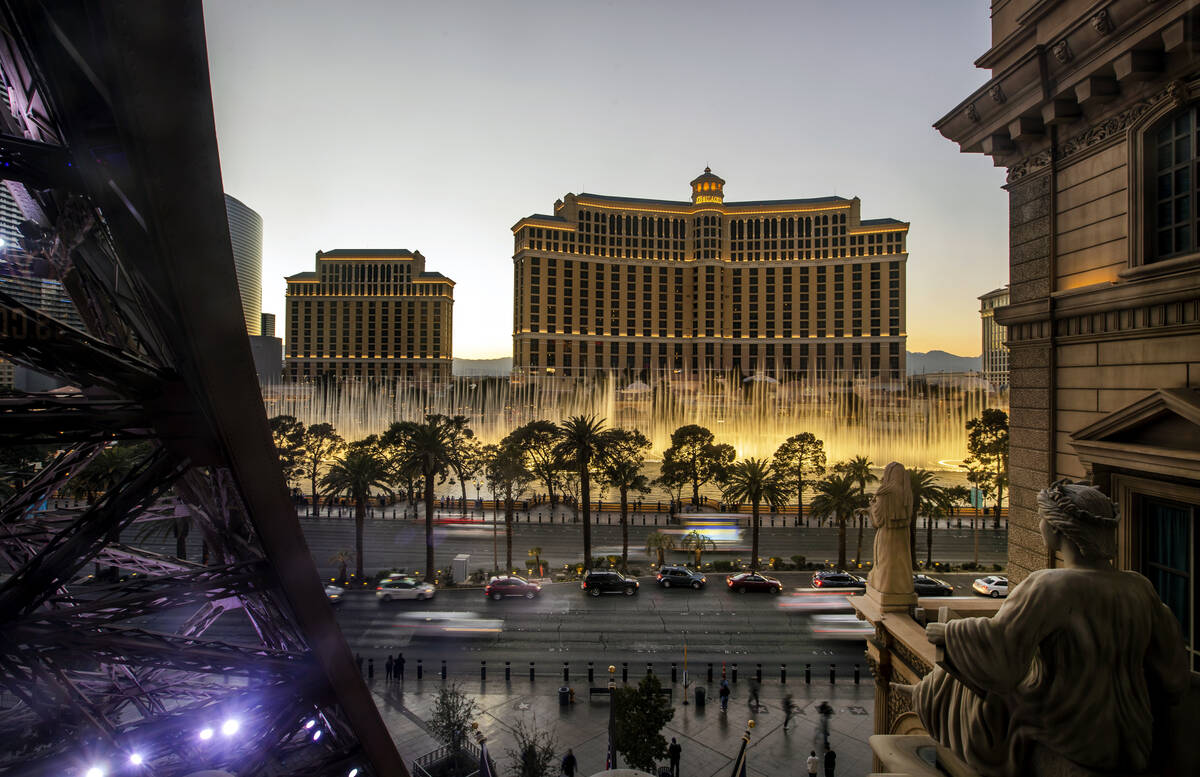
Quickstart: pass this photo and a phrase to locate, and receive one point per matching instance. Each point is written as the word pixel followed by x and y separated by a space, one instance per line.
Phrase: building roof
pixel 307 275
pixel 548 218
pixel 433 275
pixel 367 253
pixel 994 293
pixel 689 204
pixel 881 222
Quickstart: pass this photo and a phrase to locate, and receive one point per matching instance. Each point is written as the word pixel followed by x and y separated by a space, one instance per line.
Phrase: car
pixel 596 583
pixel 334 594
pixel 752 581
pixel 448 624
pixel 840 627
pixel 992 585
pixel 680 577
pixel 836 578
pixel 510 585
pixel 931 586
pixel 403 588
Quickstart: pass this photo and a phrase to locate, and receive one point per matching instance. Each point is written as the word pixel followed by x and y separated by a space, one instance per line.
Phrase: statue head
pixel 1079 512
pixel 893 500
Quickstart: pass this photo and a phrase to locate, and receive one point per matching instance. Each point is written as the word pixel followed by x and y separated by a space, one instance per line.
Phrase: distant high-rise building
pixel 774 287
pixel 369 313
pixel 246 236
pixel 995 352
pixel 268 325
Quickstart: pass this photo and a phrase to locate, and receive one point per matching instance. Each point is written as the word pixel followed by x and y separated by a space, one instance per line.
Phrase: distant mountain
pixel 483 367
pixel 940 361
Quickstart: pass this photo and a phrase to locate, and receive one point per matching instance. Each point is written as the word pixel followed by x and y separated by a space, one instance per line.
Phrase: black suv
pixel 680 577
pixel 837 579
pixel 597 583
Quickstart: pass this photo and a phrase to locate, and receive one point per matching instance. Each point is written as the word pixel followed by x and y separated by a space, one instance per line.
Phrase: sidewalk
pixel 710 739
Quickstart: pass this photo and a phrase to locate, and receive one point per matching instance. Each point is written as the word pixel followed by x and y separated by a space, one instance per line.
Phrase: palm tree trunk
pixel 429 568
pixel 841 522
pixel 858 542
pixel 912 536
pixel 754 535
pixel 929 543
pixel 360 514
pixel 463 481
pixel 585 495
pixel 624 529
pixel 508 532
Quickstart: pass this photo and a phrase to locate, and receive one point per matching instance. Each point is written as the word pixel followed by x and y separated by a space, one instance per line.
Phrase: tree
pixel 582 442
pixel 641 714
pixel 694 452
pixel 622 470
pixel 932 500
pixel 453 712
pixel 801 461
pixel 697 543
pixel 536 552
pixel 858 468
pixel 288 435
pixel 534 750
pixel 18 464
pixel 672 477
pixel 355 474
pixel 837 498
pixel 321 444
pixel 539 440
pixel 752 480
pixel 659 543
pixel 342 558
pixel 428 448
pixel 508 471
pixel 987 449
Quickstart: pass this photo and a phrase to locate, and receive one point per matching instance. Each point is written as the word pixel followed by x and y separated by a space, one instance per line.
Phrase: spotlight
pixel 95 771
pixel 353 772
pixel 316 736
pixel 311 722
pixel 136 759
pixel 205 734
pixel 230 727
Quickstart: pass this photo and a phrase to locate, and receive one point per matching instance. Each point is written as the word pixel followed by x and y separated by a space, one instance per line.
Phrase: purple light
pixel 353 772
pixel 230 727
pixel 316 736
pixel 95 771
pixel 136 759
pixel 311 722
pixel 205 734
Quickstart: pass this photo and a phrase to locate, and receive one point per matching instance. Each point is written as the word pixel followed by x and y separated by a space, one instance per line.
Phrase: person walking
pixel 358 661
pixel 826 713
pixel 724 694
pixel 398 670
pixel 568 763
pixel 673 753
pixel 830 762
pixel 789 708
pixel 752 701
pixel 387 669
pixel 371 668
pixel 813 763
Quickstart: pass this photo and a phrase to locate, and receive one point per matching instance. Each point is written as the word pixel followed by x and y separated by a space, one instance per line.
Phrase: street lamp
pixel 612 717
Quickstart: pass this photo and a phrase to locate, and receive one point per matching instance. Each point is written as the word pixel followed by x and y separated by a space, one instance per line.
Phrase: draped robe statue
pixel 890 581
pixel 1073 665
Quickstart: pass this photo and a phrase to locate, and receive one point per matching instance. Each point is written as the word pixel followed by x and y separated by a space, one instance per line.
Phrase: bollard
pixel 507 672
pixel 673 674
pixel 832 674
pixel 808 674
pixel 856 674
pixel 566 672
pixel 591 674
pixel 483 671
pixel 530 671
pixel 758 673
pixel 420 669
pixel 783 674
pixel 624 671
pixel 443 669
pixel 734 674
pixel 710 671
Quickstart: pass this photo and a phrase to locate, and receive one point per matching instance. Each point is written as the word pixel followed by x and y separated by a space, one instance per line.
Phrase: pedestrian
pixel 387 669
pixel 788 709
pixel 358 661
pixel 813 763
pixel 568 764
pixel 724 694
pixel 673 753
pixel 399 668
pixel 830 762
pixel 826 712
pixel 370 668
pixel 752 701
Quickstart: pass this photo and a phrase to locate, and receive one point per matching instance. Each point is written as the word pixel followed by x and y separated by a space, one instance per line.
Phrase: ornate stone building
pixel 769 287
pixel 995 352
pixel 369 313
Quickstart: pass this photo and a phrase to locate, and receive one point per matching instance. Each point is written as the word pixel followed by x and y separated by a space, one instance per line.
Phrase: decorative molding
pixel 1062 51
pixel 997 94
pixel 1030 164
pixel 897 705
pixel 973 113
pixel 910 659
pixel 1101 22
pixel 1114 324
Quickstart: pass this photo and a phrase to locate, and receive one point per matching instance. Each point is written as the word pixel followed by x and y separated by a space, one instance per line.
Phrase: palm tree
pixel 697 543
pixel 932 500
pixel 859 469
pixel 428 448
pixel 342 558
pixel 755 481
pixel 837 498
pixel 355 474
pixel 583 443
pixel 659 543
pixel 536 552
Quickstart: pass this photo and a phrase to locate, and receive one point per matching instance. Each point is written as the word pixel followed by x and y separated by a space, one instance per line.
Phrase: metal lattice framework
pixel 110 152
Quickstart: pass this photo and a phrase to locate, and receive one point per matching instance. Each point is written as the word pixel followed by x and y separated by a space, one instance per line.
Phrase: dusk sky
pixel 435 126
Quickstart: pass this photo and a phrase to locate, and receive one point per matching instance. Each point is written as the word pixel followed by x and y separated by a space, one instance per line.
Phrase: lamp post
pixel 612 716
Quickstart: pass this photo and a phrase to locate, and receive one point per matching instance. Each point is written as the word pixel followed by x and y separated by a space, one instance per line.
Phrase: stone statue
pixel 890 580
pixel 1068 674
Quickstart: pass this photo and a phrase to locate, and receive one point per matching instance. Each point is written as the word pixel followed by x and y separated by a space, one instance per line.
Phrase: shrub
pixel 800 562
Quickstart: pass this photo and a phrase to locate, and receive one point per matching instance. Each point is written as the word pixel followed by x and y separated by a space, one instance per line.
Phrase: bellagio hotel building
pixel 369 313
pixel 777 288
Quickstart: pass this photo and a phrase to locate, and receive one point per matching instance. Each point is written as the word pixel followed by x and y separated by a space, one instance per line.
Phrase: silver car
pixel 403 588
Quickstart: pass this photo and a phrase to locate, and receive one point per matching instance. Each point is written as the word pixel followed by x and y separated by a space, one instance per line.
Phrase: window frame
pixel 1141 143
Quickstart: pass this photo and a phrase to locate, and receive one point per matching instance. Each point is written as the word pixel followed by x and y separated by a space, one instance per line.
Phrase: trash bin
pixel 700 695
pixel 564 696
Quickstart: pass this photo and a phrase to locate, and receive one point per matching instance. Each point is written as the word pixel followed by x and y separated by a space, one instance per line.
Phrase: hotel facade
pixel 777 288
pixel 369 313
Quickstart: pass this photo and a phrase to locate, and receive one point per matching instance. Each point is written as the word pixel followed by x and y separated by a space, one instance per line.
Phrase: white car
pixel 403 588
pixel 334 594
pixel 992 585
pixel 448 624
pixel 840 627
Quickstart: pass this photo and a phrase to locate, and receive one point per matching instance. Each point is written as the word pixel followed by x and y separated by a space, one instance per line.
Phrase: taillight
pixel 378 588
pixel 818 583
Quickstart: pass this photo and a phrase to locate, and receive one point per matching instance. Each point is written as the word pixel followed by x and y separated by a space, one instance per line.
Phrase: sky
pixel 436 126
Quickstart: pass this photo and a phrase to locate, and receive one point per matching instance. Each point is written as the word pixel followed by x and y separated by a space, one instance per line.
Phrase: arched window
pixel 1172 213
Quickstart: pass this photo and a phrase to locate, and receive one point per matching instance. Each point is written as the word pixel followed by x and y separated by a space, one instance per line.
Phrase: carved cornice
pixel 1062 51
pixel 910 659
pixel 1101 22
